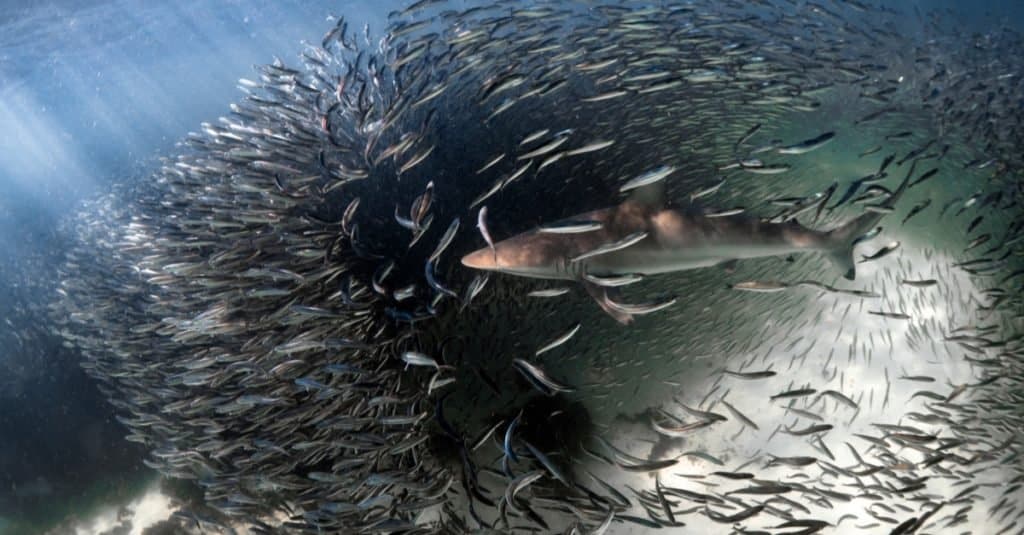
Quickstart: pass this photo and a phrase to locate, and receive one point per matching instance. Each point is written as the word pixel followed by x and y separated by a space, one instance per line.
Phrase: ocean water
pixel 213 316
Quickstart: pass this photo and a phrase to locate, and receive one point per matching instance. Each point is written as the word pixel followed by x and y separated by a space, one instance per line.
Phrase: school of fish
pixel 280 314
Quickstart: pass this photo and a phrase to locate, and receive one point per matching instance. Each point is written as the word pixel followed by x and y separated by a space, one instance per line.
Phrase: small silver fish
pixel 767 169
pixel 415 358
pixel 750 375
pixel 739 415
pixel 629 240
pixel 613 281
pixel 540 151
pixel 761 286
pixel 590 147
pixel 640 309
pixel 534 136
pixel 650 177
pixel 549 292
pixel 491 163
pixel 925 283
pixel 890 315
pixel 808 145
pixel 707 191
pixel 725 213
pixel 536 374
pixel 571 226
pixel 446 239
pixel 892 246
pixel 481 225
pixel 560 340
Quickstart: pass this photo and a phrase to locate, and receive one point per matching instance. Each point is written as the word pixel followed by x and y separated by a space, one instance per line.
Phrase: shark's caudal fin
pixel 841 240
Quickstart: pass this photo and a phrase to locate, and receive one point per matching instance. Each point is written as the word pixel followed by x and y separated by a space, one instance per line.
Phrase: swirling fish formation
pixel 279 314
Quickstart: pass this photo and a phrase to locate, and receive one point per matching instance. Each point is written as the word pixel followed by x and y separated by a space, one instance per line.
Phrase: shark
pixel 644 235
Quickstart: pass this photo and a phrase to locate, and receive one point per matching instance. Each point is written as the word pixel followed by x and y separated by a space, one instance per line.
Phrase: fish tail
pixel 842 239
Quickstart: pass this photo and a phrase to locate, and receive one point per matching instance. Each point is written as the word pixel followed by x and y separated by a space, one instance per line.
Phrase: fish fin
pixel 651 195
pixel 729 265
pixel 600 294
pixel 840 241
pixel 842 259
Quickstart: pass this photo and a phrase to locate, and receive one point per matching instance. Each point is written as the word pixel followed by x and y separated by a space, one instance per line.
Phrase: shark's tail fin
pixel 842 239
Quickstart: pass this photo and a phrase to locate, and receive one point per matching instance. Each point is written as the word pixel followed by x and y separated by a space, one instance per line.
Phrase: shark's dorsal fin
pixel 651 195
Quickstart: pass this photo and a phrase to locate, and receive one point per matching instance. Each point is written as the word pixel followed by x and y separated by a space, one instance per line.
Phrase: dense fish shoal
pixel 279 313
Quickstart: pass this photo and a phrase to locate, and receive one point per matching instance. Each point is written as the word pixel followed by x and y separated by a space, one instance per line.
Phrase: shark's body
pixel 674 240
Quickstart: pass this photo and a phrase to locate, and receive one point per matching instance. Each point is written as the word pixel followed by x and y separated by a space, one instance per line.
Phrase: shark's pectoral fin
pixel 729 265
pixel 600 294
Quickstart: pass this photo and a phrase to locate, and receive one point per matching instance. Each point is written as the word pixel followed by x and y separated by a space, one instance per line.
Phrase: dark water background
pixel 91 92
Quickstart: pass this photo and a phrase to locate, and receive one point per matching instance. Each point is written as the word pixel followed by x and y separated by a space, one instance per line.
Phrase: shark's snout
pixel 480 259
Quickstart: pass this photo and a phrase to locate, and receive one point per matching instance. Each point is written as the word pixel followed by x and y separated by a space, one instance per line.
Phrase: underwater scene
pixel 544 266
